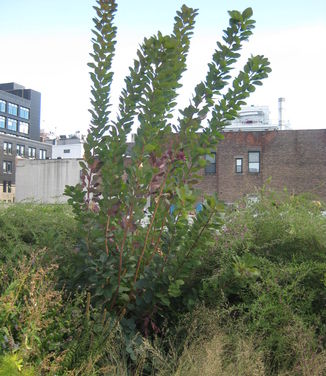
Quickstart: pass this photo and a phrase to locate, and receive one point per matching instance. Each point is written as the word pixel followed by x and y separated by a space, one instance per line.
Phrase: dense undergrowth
pixel 260 307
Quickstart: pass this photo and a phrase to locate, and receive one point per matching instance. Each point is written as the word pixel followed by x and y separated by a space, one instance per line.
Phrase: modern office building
pixel 20 112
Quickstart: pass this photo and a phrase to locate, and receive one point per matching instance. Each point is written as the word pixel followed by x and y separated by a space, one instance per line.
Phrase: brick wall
pixel 208 185
pixel 295 159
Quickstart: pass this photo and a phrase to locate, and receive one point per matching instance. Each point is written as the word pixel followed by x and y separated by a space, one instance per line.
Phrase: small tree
pixel 137 259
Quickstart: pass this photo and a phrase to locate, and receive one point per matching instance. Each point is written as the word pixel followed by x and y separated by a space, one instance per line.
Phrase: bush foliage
pixel 270 269
pixel 255 313
pixel 132 283
pixel 137 255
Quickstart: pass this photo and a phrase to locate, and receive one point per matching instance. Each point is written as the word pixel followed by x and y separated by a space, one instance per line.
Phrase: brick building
pixel 244 160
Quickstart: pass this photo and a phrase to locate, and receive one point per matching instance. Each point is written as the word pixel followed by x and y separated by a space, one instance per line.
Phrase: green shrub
pixel 264 314
pixel 269 268
pixel 34 225
pixel 281 227
pixel 26 228
pixel 140 265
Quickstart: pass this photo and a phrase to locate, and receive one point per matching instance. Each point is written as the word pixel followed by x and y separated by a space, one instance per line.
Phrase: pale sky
pixel 45 46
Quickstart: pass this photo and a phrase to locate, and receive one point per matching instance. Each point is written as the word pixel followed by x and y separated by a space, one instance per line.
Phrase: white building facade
pixel 67 147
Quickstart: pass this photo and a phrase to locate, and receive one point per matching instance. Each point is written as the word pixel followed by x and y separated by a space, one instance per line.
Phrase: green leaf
pixel 247 13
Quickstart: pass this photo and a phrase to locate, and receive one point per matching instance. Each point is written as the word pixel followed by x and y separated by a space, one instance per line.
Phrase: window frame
pixel 20 150
pixel 23 110
pixel 10 106
pixel 3 122
pixel 31 152
pixel 7 148
pixel 13 120
pixel 5 167
pixel 42 154
pixel 210 168
pixel 250 162
pixel 4 103
pixel 236 165
pixel 6 186
pixel 24 123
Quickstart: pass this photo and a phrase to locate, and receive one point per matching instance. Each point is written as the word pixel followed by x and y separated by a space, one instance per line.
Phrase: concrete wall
pixel 45 180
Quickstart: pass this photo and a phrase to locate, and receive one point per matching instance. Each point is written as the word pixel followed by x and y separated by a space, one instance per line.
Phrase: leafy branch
pixel 138 243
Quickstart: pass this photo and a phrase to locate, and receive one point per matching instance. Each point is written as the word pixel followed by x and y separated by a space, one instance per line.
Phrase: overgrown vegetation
pixel 131 282
pixel 269 271
pixel 260 307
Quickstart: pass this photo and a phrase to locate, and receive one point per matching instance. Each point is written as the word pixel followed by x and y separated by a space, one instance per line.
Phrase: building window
pixel 42 154
pixel 20 150
pixel 6 187
pixel 239 165
pixel 254 161
pixel 210 168
pixel 24 112
pixel 31 152
pixel 12 125
pixel 7 167
pixel 7 147
pixel 2 106
pixel 66 151
pixel 12 109
pixel 2 122
pixel 23 127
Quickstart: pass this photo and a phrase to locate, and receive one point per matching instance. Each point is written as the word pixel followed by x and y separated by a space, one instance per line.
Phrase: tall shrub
pixel 138 246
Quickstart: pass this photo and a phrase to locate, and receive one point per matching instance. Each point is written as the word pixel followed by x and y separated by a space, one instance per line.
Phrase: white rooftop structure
pixel 252 118
pixel 67 147
pixel 256 118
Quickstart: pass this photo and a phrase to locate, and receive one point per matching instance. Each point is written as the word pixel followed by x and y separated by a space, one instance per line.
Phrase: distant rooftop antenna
pixel 280 112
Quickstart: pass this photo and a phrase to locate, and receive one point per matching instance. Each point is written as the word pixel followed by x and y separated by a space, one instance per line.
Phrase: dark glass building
pixel 20 113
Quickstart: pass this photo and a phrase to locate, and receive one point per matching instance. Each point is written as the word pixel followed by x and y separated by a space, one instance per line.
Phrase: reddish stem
pixel 158 240
pixel 150 226
pixel 106 235
pixel 120 256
